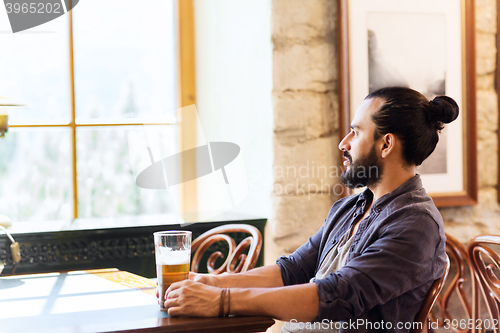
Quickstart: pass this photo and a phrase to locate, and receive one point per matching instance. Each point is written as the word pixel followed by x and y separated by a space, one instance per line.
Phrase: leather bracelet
pixel 228 302
pixel 221 306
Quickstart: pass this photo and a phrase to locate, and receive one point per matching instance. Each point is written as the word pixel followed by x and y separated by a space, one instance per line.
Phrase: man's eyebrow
pixel 354 126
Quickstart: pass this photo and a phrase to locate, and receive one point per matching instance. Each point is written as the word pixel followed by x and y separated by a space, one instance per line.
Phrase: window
pixel 91 79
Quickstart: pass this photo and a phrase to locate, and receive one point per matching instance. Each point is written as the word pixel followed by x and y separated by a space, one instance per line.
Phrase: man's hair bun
pixel 410 116
pixel 442 110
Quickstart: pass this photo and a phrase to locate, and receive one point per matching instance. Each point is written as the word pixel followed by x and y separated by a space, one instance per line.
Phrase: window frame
pixel 186 87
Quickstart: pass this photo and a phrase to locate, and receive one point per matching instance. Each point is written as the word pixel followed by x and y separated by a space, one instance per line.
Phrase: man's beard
pixel 365 171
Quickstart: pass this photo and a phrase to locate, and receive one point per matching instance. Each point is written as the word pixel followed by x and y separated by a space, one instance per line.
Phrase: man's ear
pixel 387 144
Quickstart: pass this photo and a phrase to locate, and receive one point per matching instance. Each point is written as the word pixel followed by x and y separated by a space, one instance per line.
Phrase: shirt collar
pixel 366 195
pixel 414 183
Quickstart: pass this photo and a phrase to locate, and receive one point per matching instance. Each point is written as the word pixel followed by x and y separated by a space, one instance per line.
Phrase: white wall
pixel 233 89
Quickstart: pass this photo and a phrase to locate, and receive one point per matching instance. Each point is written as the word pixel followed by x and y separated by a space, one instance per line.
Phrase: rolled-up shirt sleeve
pixel 300 266
pixel 396 262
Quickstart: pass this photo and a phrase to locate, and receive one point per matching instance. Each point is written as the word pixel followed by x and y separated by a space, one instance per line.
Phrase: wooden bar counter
pixel 106 300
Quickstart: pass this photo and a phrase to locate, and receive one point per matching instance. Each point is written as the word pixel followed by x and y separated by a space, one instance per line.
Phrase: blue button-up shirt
pixel 397 252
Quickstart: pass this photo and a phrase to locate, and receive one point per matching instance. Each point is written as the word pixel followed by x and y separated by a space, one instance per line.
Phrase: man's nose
pixel 345 143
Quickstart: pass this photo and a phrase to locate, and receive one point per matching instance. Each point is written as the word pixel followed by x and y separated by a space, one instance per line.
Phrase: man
pixel 371 264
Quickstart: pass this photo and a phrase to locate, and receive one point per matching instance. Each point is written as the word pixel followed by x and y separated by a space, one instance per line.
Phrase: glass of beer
pixel 172 254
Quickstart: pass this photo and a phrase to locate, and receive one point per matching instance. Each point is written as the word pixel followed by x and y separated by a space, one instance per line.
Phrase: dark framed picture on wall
pixel 427 45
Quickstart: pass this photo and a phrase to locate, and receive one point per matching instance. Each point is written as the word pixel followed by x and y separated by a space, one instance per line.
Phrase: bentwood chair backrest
pixel 486 263
pixel 460 278
pixel 236 252
pixel 429 300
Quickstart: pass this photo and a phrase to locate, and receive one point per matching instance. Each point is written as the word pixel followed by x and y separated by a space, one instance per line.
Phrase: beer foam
pixel 168 257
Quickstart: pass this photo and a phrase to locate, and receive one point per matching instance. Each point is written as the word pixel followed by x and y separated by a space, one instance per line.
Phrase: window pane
pixel 124 60
pixel 34 70
pixel 107 168
pixel 35 174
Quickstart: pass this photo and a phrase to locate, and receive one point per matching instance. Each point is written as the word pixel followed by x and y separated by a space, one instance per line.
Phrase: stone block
pixel 486 111
pixel 486 53
pixel 487 207
pixel 457 215
pixel 485 135
pixel 492 227
pixel 486 19
pixel 305 67
pixel 286 246
pixel 315 114
pixel 295 219
pixel 307 168
pixel 485 82
pixel 463 233
pixel 300 20
pixel 487 163
pixel 466 222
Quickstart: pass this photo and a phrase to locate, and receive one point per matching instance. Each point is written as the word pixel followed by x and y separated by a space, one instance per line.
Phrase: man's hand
pixel 190 298
pixel 203 278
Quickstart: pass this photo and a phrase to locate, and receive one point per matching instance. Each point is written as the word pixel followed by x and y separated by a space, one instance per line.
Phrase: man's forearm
pixel 262 277
pixel 299 302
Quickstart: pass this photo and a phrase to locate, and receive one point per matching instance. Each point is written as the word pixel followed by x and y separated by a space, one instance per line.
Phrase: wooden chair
pixel 429 300
pixel 235 254
pixel 486 265
pixel 463 273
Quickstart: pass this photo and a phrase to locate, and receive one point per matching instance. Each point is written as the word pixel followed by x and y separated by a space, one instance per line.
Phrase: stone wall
pixel 305 121
pixel 305 103
pixel 466 222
